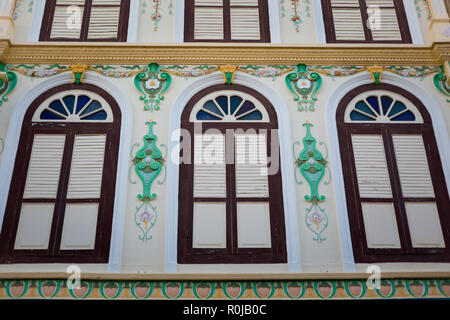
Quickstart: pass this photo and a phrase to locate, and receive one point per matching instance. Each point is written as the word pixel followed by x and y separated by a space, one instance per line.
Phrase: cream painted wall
pixel 295 27
pixel 148 257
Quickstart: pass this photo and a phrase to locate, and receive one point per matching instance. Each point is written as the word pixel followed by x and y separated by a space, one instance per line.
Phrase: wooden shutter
pixel 412 164
pixel 251 165
pixel 208 20
pixel 86 170
pixel 371 166
pixel 45 166
pixel 244 20
pixel 104 19
pixel 209 166
pixel 63 20
pixel 389 29
pixel 348 22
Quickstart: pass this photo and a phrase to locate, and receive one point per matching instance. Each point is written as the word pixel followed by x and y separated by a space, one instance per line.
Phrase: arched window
pixel 230 192
pixel 60 203
pixel 396 192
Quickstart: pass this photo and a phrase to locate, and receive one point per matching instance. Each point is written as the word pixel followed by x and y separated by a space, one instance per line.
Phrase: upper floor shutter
pixel 227 20
pixel 86 20
pixel 368 21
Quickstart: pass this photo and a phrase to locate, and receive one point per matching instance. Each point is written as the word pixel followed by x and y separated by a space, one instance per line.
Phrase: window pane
pixel 209 225
pixel 424 225
pixel 380 225
pixel 208 24
pixel 80 225
pixel 104 22
pixel 67 22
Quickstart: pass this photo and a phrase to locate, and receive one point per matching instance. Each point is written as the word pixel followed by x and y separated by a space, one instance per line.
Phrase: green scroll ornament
pixel 8 81
pixel 440 82
pixel 152 84
pixel 312 165
pixel 148 163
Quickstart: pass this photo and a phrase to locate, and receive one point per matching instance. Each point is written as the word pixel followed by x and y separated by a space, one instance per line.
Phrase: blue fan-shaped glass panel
pixel 373 101
pixel 362 106
pixel 386 103
pixel 222 101
pixel 356 116
pixel 255 115
pixel 100 115
pixel 246 106
pixel 235 102
pixel 48 115
pixel 397 108
pixel 211 106
pixel 406 116
pixel 204 116
pixel 82 101
pixel 58 107
pixel 93 106
pixel 69 101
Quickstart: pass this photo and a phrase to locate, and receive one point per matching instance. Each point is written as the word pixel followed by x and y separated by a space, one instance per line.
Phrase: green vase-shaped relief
pixel 304 85
pixel 152 84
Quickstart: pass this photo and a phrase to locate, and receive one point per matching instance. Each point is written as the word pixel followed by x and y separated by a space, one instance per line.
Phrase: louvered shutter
pixel 67 23
pixel 45 166
pixel 382 21
pixel 209 166
pixel 104 19
pixel 244 20
pixel 251 166
pixel 86 169
pixel 412 164
pixel 388 28
pixel 371 166
pixel 348 24
pixel 208 20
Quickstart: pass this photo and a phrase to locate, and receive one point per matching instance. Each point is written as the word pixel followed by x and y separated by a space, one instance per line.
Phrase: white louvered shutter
pixel 348 23
pixel 388 29
pixel 86 169
pixel 412 164
pixel 244 20
pixel 251 166
pixel 208 20
pixel 45 166
pixel 209 166
pixel 104 19
pixel 67 23
pixel 371 166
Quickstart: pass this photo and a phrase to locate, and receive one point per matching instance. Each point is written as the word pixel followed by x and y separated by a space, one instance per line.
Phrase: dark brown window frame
pixel 49 13
pixel 406 253
pixel 53 254
pixel 331 33
pixel 231 254
pixel 189 22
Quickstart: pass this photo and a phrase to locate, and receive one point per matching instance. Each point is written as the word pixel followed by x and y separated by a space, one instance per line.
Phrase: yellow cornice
pixel 220 54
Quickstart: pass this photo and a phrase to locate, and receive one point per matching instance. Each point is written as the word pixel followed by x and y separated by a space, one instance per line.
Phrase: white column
pixel 6 20
pixel 439 24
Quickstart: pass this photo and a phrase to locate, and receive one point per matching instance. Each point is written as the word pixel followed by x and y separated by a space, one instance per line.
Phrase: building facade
pixel 223 149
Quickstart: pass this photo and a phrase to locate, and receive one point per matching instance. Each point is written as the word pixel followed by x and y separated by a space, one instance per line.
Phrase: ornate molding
pixel 221 54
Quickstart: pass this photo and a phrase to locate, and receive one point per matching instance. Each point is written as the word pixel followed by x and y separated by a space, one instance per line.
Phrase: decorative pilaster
pixel 439 22
pixel 6 19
